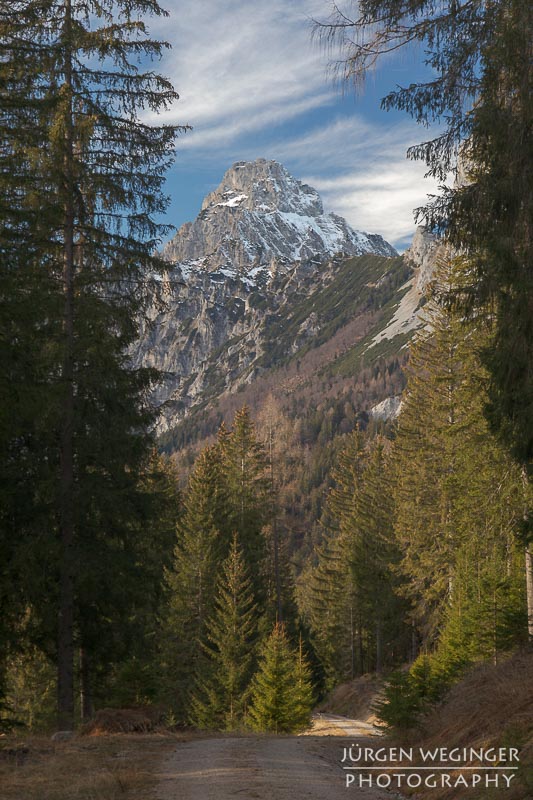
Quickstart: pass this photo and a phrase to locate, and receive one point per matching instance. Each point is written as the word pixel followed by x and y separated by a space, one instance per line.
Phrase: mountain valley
pixel 322 339
pixel 227 318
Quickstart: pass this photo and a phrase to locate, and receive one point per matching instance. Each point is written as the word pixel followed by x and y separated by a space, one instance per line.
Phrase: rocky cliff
pixel 244 286
pixel 261 216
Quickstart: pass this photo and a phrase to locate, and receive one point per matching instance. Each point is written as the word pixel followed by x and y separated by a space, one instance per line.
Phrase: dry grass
pixel 119 767
pixel 354 699
pixel 492 706
pixel 123 720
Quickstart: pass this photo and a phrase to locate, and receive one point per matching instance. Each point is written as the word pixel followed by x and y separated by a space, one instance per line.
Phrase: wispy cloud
pixel 233 61
pixel 248 74
pixel 361 171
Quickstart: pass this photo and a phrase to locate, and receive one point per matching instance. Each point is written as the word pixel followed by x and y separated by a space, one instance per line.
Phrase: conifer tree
pixel 373 559
pixel 457 494
pixel 331 600
pixel 88 184
pixel 29 327
pixel 199 548
pixel 480 88
pixel 274 432
pixel 122 600
pixel 487 612
pixel 303 694
pixel 281 605
pixel 281 694
pixel 355 615
pixel 245 474
pixel 219 699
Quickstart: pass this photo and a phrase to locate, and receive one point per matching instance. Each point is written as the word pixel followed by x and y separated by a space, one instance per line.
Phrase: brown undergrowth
pixel 354 699
pixel 108 767
pixel 491 706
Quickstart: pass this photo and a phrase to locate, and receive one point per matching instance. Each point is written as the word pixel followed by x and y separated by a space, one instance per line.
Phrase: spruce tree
pixel 246 477
pixel 191 581
pixel 281 694
pixel 219 699
pixel 274 432
pixel 281 605
pixel 355 615
pixel 303 694
pixel 458 496
pixel 88 184
pixel 331 600
pixel 29 331
pixel 480 91
pixel 373 561
pixel 121 600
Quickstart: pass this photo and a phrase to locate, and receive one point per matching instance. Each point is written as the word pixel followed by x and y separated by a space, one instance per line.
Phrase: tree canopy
pixel 478 94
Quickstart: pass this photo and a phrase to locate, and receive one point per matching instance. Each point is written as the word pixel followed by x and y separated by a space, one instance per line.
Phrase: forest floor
pixel 185 766
pixel 107 767
pixel 491 706
pixel 262 768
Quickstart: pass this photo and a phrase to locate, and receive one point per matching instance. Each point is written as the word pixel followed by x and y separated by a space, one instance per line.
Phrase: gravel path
pixel 334 725
pixel 258 768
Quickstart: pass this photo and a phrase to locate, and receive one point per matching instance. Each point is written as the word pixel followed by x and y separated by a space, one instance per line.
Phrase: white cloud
pixel 380 202
pixel 246 71
pixel 361 172
pixel 233 62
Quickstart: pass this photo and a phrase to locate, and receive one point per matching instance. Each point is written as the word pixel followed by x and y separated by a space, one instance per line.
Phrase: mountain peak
pixel 264 186
pixel 260 214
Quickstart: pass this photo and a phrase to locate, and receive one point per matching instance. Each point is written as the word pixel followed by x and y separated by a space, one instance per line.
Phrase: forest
pixel 233 586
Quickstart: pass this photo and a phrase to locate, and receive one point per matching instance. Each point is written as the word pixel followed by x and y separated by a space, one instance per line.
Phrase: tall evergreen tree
pixel 281 605
pixel 200 547
pixel 96 173
pixel 281 693
pixel 122 599
pixel 219 699
pixel 456 491
pixel 355 615
pixel 29 331
pixel 331 600
pixel 480 91
pixel 373 561
pixel 245 472
pixel 274 432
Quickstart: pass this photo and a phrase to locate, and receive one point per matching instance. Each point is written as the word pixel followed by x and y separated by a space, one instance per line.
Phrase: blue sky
pixel 253 83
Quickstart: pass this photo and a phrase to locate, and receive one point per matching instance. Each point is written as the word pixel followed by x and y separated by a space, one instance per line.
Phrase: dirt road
pixel 259 768
pixel 334 725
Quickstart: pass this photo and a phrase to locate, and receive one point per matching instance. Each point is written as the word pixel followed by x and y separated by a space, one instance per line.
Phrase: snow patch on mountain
pixel 233 202
pixel 260 214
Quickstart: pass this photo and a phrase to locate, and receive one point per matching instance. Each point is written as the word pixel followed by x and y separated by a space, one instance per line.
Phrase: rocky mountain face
pixel 423 254
pixel 270 303
pixel 261 216
pixel 266 293
pixel 242 292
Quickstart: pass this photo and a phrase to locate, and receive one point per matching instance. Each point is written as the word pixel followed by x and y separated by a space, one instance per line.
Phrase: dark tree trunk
pixel 86 699
pixel 379 646
pixel 65 655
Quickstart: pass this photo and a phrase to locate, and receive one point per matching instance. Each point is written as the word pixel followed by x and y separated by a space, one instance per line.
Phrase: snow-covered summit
pixel 265 186
pixel 260 215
